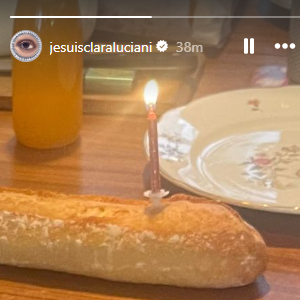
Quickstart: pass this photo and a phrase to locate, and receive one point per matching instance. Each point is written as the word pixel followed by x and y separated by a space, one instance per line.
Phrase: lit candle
pixel 150 96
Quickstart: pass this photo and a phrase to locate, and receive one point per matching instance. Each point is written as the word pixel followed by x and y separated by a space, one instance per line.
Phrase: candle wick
pixel 151 107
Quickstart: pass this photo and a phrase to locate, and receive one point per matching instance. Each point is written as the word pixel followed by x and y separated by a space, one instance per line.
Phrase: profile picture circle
pixel 26 46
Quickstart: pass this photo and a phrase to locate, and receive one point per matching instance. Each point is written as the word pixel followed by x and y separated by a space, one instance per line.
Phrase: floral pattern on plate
pixel 255 105
pixel 280 170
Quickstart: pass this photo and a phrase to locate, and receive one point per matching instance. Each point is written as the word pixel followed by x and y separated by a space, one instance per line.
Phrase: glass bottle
pixel 47 92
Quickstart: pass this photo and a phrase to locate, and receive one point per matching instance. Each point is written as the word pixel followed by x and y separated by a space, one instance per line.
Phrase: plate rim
pixel 207 97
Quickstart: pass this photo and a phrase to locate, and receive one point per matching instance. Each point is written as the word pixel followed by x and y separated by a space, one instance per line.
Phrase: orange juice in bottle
pixel 47 92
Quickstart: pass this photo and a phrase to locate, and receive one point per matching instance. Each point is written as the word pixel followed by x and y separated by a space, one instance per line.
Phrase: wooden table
pixel 109 159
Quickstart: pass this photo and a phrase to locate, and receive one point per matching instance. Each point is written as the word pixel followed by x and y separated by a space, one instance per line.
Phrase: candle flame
pixel 151 93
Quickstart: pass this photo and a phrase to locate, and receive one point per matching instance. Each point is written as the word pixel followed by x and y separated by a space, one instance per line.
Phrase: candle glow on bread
pixel 193 242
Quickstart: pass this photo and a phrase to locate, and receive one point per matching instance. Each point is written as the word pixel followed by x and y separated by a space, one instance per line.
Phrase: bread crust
pixel 193 242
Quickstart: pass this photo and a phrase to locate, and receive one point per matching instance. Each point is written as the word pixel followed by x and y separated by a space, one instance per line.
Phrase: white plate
pixel 241 147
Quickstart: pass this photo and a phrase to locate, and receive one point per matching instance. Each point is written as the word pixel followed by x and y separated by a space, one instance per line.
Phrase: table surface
pixel 109 159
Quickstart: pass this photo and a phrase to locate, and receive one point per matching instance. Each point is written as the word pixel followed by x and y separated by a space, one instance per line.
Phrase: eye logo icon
pixel 26 46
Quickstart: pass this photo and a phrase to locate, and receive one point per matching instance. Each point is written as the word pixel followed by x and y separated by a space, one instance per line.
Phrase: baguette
pixel 193 242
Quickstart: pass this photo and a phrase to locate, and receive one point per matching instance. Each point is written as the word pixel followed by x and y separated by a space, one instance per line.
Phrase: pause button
pixel 247 46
